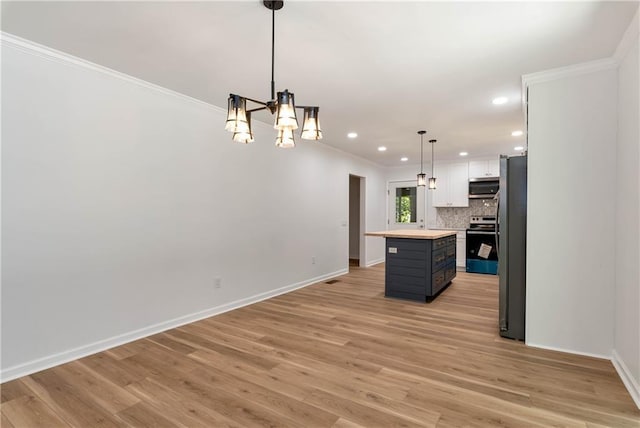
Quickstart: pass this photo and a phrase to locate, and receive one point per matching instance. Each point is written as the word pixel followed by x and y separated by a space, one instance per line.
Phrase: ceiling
pixel 382 69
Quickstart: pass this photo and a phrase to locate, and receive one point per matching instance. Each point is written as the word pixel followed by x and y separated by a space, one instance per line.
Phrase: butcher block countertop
pixel 413 233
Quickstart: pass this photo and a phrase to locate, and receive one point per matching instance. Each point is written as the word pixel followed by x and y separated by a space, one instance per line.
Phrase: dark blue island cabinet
pixel 419 263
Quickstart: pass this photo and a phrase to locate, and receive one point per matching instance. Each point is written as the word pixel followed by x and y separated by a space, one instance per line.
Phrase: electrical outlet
pixel 217 282
pixel 313 260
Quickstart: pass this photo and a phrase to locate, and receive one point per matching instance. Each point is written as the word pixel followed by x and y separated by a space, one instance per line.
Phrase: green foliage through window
pixel 405 205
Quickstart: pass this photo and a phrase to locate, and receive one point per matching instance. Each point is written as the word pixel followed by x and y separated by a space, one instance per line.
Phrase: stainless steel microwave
pixel 483 188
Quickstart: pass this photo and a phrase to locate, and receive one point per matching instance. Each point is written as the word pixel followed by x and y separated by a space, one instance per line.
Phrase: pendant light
pixel 432 179
pixel 422 177
pixel 282 105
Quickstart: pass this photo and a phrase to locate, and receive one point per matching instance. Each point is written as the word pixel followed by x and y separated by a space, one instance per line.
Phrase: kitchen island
pixel 419 263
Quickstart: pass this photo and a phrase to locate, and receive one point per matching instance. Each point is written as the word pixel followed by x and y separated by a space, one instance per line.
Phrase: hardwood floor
pixel 330 355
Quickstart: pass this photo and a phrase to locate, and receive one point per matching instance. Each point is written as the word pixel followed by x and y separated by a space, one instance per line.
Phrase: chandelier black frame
pixel 283 105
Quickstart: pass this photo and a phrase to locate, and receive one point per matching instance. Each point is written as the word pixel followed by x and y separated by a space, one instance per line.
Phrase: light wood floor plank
pixel 67 402
pixel 144 415
pixel 13 389
pixel 29 411
pixel 5 423
pixel 362 414
pixel 331 355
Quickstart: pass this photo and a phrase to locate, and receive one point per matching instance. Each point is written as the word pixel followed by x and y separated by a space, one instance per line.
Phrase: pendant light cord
pixel 421 150
pixel 273 55
pixel 432 158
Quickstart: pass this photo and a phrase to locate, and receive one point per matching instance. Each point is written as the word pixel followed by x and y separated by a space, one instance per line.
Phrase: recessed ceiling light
pixel 518 149
pixel 517 133
pixel 499 100
pixel 352 134
pixel 404 159
pixel 382 148
pixel 463 153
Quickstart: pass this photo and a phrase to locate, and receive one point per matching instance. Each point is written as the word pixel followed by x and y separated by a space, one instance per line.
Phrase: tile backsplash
pixel 458 218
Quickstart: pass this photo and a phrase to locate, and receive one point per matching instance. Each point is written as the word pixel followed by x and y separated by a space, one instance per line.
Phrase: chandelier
pixel 282 105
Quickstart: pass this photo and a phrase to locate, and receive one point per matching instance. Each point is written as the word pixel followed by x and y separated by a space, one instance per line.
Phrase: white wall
pixel 627 266
pixel 571 210
pixel 123 202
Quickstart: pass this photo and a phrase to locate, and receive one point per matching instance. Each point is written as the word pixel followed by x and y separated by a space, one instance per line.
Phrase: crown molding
pixel 630 36
pixel 11 41
pixel 569 71
pixel 561 73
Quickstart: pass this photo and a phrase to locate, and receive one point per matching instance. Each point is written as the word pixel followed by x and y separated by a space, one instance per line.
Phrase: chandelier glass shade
pixel 237 115
pixel 311 124
pixel 245 135
pixel 286 111
pixel 285 138
pixel 283 106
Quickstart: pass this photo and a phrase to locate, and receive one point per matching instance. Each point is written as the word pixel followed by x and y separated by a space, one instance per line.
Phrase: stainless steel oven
pixel 482 251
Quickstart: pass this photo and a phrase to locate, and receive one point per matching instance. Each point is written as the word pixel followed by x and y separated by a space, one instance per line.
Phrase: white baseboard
pixel 569 351
pixel 625 374
pixel 623 371
pixel 49 361
pixel 374 262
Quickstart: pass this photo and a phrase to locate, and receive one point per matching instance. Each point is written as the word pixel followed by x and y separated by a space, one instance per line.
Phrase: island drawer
pixel 444 242
pixel 439 259
pixel 438 280
pixel 451 250
pixel 449 272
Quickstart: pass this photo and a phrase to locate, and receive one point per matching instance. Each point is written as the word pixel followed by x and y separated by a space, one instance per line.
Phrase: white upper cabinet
pixel 452 185
pixel 484 168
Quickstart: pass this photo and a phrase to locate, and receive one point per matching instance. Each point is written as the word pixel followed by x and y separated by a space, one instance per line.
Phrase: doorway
pixel 356 220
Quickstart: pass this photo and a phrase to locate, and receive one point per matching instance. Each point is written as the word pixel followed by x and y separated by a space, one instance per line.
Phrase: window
pixel 406 204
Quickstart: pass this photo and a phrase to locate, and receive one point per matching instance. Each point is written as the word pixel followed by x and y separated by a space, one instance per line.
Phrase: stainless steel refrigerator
pixel 512 245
